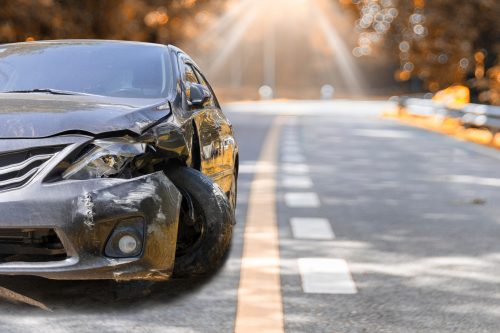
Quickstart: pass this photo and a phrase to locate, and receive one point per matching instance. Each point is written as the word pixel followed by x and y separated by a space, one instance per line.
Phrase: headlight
pixel 106 158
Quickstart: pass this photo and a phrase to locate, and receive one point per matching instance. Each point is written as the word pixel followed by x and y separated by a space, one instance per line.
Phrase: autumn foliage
pixel 159 21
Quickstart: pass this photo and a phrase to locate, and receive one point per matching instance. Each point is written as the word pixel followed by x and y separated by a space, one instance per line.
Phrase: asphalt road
pixel 395 229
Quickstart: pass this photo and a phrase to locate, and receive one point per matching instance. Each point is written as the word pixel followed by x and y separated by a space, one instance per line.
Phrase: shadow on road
pixel 99 295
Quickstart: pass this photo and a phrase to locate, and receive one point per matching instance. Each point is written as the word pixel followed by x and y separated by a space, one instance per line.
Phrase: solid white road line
pixel 295 168
pixel 311 228
pixel 297 182
pixel 326 276
pixel 302 199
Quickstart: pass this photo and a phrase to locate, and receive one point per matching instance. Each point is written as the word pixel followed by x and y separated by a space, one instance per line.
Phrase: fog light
pixel 127 244
pixel 126 240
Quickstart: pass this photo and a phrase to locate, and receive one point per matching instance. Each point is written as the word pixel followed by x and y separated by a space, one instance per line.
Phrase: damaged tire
pixel 205 223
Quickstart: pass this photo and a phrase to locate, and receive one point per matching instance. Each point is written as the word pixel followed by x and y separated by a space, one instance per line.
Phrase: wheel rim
pixel 191 226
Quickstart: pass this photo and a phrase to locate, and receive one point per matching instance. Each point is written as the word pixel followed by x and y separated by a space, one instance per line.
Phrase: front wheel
pixel 205 223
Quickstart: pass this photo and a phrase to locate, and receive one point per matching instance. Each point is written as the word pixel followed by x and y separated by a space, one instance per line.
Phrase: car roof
pixel 84 41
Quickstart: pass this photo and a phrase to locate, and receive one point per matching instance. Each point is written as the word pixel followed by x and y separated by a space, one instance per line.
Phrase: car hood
pixel 42 115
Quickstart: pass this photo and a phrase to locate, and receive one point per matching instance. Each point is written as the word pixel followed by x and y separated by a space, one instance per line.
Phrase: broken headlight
pixel 107 157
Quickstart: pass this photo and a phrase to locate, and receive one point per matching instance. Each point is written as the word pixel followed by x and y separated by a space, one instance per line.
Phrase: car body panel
pixel 217 146
pixel 84 213
pixel 25 115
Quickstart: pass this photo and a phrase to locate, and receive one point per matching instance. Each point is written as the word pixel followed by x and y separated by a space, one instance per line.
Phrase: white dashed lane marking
pixel 389 134
pixel 295 168
pixel 296 158
pixel 297 182
pixel 290 143
pixel 319 275
pixel 311 228
pixel 302 199
pixel 326 276
pixel 290 150
pixel 463 179
pixel 254 167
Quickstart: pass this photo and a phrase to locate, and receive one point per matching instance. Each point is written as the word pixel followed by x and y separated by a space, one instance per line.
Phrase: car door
pixel 224 128
pixel 207 124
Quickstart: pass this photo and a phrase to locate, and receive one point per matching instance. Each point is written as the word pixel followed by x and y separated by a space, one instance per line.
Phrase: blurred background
pixel 300 49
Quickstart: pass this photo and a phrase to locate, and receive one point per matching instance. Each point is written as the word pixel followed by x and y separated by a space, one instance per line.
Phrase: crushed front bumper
pixel 84 214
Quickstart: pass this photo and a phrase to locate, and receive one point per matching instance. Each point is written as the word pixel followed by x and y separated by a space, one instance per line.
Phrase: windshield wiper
pixel 44 90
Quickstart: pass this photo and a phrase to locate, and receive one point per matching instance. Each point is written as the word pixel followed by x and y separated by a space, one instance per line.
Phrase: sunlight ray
pixel 231 42
pixel 226 21
pixel 347 68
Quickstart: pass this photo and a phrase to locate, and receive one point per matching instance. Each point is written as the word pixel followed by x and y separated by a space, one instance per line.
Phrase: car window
pixel 108 69
pixel 204 82
pixel 189 75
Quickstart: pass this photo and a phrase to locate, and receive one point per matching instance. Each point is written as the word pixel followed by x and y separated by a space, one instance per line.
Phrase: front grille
pixel 19 167
pixel 30 245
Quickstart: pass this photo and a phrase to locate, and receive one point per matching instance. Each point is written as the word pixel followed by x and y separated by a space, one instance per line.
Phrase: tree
pixel 440 42
pixel 162 21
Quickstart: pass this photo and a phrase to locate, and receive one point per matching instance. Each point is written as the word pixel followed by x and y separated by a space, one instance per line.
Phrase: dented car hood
pixel 37 115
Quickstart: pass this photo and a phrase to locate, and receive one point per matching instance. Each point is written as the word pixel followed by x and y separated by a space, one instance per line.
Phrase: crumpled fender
pixel 169 141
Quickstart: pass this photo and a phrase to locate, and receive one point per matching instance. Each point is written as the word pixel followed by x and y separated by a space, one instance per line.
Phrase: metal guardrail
pixel 481 116
pixel 471 115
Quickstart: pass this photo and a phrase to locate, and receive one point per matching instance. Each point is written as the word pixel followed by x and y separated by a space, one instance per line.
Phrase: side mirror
pixel 198 95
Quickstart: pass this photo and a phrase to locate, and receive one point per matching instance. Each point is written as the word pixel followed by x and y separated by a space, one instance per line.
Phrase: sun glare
pixel 276 38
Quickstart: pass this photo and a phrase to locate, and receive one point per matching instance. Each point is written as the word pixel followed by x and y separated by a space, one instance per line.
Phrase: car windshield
pixel 100 68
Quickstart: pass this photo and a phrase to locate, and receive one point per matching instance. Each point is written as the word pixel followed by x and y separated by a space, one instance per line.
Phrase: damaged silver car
pixel 116 162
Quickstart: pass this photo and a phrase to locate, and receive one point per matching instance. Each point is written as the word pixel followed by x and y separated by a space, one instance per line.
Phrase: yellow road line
pixel 260 307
